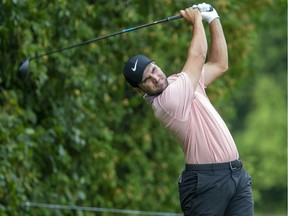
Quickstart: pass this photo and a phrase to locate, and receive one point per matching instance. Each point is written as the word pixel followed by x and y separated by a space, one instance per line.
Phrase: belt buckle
pixel 231 166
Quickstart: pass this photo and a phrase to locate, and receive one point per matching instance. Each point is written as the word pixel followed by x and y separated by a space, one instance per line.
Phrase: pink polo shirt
pixel 189 115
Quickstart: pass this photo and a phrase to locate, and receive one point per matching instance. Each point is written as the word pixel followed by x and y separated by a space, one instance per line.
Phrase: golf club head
pixel 23 69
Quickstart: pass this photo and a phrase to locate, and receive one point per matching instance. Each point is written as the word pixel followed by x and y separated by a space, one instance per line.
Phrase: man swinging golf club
pixel 214 181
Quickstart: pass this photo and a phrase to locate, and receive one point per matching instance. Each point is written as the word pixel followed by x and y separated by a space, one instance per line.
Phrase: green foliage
pixel 74 133
pixel 262 137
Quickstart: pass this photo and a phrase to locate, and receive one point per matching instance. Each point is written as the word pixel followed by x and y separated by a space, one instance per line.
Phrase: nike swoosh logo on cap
pixel 135 66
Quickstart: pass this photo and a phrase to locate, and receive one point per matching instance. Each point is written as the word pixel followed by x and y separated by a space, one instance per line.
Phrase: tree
pixel 262 135
pixel 74 133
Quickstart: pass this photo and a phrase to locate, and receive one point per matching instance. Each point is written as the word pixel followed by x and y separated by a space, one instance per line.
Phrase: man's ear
pixel 138 90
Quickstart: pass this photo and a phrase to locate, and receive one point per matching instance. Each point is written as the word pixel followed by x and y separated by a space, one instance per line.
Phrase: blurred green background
pixel 75 134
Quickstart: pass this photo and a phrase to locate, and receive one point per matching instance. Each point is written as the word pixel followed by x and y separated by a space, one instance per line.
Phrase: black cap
pixel 134 69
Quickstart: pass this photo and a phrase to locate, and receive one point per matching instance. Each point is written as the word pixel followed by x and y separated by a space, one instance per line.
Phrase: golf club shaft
pixel 107 36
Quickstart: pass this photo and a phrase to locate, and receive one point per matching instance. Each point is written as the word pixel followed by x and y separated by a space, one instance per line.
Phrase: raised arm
pixel 198 46
pixel 217 63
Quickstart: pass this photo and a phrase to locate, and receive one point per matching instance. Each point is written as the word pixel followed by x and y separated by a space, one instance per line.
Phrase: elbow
pixel 224 65
pixel 221 69
pixel 225 68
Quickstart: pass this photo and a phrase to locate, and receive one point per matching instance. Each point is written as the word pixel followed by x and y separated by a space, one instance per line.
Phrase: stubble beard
pixel 161 87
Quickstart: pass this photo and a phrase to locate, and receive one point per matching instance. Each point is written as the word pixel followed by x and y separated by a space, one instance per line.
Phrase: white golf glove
pixel 207 15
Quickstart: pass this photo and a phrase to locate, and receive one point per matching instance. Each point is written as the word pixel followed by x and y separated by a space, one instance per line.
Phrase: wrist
pixel 214 15
pixel 216 19
pixel 198 20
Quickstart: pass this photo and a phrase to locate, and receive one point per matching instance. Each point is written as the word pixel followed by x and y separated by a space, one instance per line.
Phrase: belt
pixel 232 165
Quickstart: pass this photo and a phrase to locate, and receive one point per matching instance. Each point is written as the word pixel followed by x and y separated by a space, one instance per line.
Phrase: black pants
pixel 212 190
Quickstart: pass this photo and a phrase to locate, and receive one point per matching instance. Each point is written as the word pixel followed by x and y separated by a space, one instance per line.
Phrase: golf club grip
pixel 180 16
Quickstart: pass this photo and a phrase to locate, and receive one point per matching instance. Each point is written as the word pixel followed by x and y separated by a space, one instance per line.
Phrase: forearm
pixel 198 44
pixel 196 53
pixel 218 50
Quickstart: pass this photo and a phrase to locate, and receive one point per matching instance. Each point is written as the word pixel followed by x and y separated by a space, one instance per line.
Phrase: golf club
pixel 23 69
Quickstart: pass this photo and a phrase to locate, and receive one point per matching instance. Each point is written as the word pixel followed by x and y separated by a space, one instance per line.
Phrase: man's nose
pixel 155 78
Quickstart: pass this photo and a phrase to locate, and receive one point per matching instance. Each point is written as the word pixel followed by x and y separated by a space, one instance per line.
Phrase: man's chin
pixel 164 85
pixel 159 90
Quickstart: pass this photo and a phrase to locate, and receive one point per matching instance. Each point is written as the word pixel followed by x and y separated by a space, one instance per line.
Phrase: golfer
pixel 214 181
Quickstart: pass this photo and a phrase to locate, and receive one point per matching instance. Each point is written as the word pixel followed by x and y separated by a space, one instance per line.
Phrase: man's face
pixel 154 81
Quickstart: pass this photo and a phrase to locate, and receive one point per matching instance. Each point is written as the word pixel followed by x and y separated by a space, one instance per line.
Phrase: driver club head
pixel 23 69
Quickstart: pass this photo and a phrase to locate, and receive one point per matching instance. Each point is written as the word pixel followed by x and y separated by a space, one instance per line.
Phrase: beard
pixel 159 88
